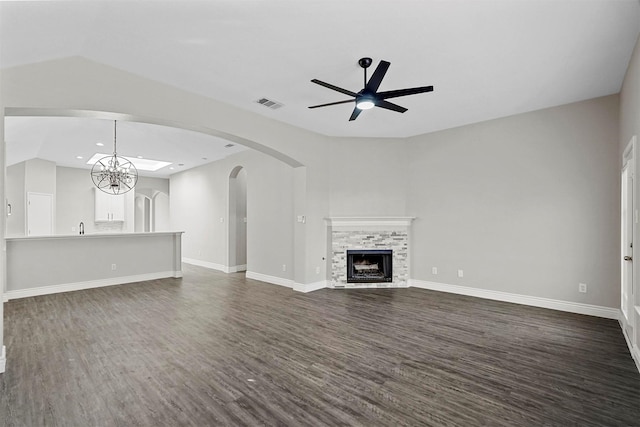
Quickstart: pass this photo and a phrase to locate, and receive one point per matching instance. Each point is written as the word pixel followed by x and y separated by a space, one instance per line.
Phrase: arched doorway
pixel 160 203
pixel 237 245
pixel 151 211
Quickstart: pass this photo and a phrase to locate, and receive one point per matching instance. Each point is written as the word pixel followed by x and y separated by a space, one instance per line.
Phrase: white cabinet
pixel 108 207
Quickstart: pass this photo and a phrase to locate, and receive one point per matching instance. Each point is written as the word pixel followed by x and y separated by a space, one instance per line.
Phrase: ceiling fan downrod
pixel 365 63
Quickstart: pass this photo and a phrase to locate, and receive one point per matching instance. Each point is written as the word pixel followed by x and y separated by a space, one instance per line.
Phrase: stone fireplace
pixel 369 252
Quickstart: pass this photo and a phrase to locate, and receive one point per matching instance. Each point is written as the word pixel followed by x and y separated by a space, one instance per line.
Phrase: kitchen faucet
pixel 81 227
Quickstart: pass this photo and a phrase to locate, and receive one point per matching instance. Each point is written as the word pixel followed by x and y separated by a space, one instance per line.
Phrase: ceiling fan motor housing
pixel 365 62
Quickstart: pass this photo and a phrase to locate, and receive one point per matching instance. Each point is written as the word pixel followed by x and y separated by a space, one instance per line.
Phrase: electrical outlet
pixel 284 267
pixel 113 267
pixel 434 270
pixel 582 287
pixel 460 273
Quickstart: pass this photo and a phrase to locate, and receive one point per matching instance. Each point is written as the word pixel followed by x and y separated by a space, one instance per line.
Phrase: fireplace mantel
pixel 369 221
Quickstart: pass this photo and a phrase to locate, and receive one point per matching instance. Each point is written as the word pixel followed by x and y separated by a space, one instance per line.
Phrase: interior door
pixel 39 214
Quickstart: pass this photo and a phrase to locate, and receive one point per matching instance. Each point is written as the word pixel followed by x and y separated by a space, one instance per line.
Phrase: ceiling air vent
pixel 269 103
pixel 228 145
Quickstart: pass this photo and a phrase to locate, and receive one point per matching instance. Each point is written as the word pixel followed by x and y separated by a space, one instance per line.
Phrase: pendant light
pixel 114 174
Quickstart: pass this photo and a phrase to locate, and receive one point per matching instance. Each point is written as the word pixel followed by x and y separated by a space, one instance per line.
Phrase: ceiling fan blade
pixel 403 92
pixel 336 88
pixel 355 114
pixel 332 103
pixel 376 78
pixel 389 106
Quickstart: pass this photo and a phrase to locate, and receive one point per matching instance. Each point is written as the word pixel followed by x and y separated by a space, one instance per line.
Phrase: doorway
pixel 237 245
pixel 151 211
pixel 627 221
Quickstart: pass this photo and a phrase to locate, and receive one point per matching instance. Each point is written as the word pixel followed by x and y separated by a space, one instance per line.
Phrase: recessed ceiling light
pixel 172 168
pixel 204 158
pixel 139 163
pixel 78 157
pixel 99 144
pixel 139 157
pixel 180 164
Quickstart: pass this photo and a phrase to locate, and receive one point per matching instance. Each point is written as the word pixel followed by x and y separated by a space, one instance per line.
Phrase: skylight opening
pixel 141 164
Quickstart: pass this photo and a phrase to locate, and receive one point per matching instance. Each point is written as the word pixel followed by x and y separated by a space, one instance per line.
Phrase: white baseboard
pixel 77 286
pixel 270 279
pixel 206 264
pixel 635 354
pixel 571 307
pixel 309 287
pixel 3 359
pixel 237 268
pixel 634 351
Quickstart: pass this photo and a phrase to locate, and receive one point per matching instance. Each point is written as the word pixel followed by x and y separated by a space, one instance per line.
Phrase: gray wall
pixel 75 202
pixel 149 186
pixel 474 158
pixel 15 194
pixel 368 177
pixel 40 177
pixel 32 176
pixel 161 209
pixel 240 188
pixel 630 102
pixel 527 204
pixel 199 203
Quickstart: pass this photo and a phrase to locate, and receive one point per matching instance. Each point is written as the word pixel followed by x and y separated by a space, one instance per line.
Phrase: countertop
pixel 92 235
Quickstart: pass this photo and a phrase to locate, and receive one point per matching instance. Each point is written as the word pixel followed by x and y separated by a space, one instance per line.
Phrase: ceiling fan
pixel 368 97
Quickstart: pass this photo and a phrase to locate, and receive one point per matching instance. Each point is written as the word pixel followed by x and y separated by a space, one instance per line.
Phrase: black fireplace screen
pixel 369 265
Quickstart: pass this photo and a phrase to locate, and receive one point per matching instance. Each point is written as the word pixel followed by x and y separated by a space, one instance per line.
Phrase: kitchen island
pixel 38 265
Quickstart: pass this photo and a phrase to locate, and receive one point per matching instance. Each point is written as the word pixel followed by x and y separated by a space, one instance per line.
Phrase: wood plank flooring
pixel 212 349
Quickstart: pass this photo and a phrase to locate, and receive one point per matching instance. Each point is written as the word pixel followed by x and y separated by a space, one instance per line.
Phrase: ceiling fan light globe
pixel 365 104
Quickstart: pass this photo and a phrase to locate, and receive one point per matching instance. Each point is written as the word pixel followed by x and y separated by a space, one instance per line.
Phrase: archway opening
pixel 151 211
pixel 237 245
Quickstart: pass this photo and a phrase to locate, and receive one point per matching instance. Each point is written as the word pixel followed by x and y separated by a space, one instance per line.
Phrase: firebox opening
pixel 369 265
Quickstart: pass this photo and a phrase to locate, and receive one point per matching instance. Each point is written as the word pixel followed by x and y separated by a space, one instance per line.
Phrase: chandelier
pixel 114 174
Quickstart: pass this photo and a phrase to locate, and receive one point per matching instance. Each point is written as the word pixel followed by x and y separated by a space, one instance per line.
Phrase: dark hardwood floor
pixel 218 350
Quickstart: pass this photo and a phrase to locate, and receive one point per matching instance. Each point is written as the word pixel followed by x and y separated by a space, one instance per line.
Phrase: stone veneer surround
pixel 369 233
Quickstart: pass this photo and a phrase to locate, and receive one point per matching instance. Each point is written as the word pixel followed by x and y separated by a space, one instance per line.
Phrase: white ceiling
pixel 63 139
pixel 486 59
